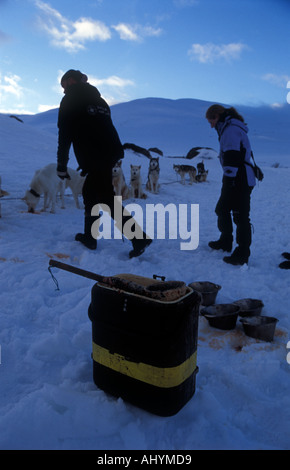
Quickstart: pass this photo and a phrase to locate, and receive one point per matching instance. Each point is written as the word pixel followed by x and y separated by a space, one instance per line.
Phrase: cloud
pixel 112 81
pixel 277 105
pixel 12 94
pixel 9 84
pixel 280 81
pixel 46 107
pixel 209 53
pixel 113 88
pixel 126 32
pixel 70 35
pixel 136 32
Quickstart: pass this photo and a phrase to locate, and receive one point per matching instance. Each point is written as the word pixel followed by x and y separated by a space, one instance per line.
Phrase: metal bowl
pixel 262 327
pixel 221 316
pixel 249 307
pixel 208 291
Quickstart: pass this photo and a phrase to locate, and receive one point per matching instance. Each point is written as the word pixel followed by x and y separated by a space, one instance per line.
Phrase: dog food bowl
pixel 221 316
pixel 208 291
pixel 260 327
pixel 249 307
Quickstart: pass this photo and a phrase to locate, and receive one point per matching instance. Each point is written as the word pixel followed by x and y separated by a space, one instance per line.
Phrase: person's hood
pixel 230 121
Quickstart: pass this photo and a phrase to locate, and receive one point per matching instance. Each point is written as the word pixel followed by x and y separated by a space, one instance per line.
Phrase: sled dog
pixel 118 180
pixel 200 168
pixel 183 170
pixel 153 175
pixel 46 182
pixel 201 177
pixel 201 172
pixel 136 183
pixel 75 184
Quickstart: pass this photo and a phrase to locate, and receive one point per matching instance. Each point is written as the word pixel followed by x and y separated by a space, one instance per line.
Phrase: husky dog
pixel 202 173
pixel 46 182
pixel 153 175
pixel 118 180
pixel 182 170
pixel 200 167
pixel 201 177
pixel 3 193
pixel 75 184
pixel 136 183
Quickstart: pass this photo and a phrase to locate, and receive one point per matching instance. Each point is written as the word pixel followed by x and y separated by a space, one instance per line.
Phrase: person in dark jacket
pixel 237 184
pixel 84 121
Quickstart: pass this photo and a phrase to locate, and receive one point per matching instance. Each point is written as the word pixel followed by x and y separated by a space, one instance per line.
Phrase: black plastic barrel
pixel 144 350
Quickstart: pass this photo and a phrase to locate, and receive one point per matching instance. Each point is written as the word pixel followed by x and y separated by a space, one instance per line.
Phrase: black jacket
pixel 84 120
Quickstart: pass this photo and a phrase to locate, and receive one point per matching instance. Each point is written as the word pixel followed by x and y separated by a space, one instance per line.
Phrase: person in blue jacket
pixel 237 183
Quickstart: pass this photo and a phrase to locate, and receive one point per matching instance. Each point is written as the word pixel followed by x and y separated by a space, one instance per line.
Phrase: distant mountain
pixel 176 126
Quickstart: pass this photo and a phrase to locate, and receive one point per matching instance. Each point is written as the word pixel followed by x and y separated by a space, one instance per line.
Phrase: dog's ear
pixel 139 167
pixel 131 165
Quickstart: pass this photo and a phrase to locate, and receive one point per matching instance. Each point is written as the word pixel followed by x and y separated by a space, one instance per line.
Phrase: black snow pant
pixel 98 189
pixel 234 203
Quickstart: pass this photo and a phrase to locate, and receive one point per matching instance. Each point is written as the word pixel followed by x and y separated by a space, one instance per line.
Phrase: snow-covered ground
pixel 48 397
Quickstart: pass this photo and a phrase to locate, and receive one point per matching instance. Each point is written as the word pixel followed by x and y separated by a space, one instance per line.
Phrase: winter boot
pixel 86 238
pixel 285 265
pixel 224 243
pixel 238 257
pixel 140 241
pixel 139 246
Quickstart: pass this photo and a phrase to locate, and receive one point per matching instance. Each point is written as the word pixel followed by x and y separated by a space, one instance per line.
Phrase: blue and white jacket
pixel 235 149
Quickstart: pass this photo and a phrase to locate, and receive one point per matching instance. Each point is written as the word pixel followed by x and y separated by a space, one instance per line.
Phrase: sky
pixel 228 51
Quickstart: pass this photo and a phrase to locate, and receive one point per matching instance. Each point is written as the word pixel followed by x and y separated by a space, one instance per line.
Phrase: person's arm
pixel 233 153
pixel 64 141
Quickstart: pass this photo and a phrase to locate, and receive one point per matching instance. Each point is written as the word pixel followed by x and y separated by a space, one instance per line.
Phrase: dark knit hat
pixel 77 75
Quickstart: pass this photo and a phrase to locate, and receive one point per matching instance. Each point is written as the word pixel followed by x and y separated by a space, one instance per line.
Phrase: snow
pixel 48 397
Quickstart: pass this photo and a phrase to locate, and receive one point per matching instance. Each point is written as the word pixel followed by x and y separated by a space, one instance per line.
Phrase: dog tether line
pixel 53 278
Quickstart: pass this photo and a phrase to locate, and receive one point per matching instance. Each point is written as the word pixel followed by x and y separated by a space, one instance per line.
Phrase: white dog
pixel 75 184
pixel 46 182
pixel 118 181
pixel 136 182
